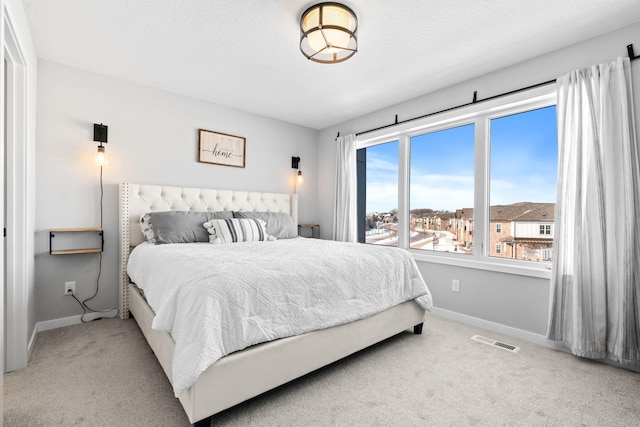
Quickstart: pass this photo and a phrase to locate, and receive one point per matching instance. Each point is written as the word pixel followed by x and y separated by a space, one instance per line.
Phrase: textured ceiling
pixel 245 53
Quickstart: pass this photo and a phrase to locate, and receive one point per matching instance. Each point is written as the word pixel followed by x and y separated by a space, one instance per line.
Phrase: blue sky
pixel 523 165
pixel 524 157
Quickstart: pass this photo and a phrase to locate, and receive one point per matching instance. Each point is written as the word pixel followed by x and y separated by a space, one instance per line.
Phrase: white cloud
pixel 448 192
pixel 377 164
pixel 441 192
pixel 539 189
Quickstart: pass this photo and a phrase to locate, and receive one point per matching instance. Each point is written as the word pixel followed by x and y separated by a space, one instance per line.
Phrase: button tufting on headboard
pixel 145 198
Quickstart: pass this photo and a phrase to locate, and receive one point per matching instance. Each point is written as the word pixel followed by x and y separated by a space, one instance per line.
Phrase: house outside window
pixel 468 185
pixel 523 175
pixel 441 175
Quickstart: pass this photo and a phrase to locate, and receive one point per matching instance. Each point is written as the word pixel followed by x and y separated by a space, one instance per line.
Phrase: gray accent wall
pixel 153 139
pixel 515 301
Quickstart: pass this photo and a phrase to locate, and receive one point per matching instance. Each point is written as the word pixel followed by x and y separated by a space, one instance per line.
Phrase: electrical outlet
pixel 69 288
pixel 455 285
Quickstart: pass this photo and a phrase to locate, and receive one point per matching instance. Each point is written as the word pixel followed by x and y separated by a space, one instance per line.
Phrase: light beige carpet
pixel 103 374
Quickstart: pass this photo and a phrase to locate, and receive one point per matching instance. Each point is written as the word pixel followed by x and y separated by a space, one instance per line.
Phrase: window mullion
pixel 481 188
pixel 403 190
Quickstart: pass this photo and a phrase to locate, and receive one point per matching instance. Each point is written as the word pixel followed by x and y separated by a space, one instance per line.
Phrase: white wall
pixel 515 301
pixel 153 138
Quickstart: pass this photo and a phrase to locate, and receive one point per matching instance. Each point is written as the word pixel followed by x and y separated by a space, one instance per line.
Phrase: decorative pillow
pixel 237 230
pixel 178 226
pixel 147 228
pixel 279 225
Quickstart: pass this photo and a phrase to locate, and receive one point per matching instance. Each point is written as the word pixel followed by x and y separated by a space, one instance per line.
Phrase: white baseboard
pixel 32 343
pixel 495 327
pixel 447 314
pixel 54 324
pixel 516 333
pixel 61 323
pixel 50 324
pixel 69 321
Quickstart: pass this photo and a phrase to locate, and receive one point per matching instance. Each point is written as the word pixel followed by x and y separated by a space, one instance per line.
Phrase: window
pixel 545 229
pixel 378 169
pixel 442 168
pixel 523 171
pixel 472 186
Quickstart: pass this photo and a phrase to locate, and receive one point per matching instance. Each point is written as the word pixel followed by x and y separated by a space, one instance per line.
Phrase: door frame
pixel 19 192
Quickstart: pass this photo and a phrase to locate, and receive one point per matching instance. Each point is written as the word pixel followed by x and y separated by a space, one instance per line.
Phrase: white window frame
pixel 498 248
pixel 498 227
pixel 479 114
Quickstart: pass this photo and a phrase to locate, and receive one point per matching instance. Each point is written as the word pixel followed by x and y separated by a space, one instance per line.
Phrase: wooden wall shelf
pixel 90 250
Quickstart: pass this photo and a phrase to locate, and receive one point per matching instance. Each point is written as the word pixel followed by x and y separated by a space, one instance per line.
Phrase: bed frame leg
pixel 417 329
pixel 206 422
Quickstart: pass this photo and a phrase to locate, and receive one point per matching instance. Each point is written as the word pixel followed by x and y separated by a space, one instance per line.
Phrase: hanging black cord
pixel 83 304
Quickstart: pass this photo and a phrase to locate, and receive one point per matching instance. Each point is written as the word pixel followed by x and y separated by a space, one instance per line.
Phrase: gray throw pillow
pixel 183 226
pixel 279 225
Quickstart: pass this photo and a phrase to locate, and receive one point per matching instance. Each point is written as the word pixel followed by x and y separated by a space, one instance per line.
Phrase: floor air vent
pixel 494 343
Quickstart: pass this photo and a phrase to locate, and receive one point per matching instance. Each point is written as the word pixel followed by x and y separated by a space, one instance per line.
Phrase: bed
pixel 248 372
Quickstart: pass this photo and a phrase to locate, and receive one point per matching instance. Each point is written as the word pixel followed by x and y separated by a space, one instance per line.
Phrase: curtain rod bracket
pixel 630 52
pixel 396 120
pixel 475 97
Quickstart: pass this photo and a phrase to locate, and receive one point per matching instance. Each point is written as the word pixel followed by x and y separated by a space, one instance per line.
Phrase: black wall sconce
pixel 295 164
pixel 100 136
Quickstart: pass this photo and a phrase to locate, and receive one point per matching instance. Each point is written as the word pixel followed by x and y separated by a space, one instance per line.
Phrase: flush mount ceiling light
pixel 328 33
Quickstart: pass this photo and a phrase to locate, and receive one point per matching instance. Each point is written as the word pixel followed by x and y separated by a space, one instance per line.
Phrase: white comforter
pixel 217 299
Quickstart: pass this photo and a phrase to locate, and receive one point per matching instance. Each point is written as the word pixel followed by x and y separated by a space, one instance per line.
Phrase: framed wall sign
pixel 221 149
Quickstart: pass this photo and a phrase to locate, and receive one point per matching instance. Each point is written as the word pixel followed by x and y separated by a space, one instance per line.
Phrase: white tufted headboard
pixel 137 199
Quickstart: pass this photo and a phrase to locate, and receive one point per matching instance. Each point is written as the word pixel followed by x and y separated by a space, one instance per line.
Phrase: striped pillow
pixel 237 230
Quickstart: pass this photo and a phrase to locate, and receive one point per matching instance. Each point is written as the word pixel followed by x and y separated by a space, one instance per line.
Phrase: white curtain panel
pixel 345 226
pixel 595 285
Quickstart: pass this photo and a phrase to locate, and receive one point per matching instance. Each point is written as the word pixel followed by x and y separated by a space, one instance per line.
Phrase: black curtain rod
pixel 474 101
pixel 632 56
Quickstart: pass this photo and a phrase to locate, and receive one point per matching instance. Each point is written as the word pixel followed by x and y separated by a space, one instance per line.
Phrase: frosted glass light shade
pixel 328 33
pixel 101 158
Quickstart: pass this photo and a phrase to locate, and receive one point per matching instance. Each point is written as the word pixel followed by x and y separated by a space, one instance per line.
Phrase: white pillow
pixel 237 230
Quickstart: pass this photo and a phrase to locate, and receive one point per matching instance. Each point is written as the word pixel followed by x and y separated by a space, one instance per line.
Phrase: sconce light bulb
pixel 300 176
pixel 101 158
